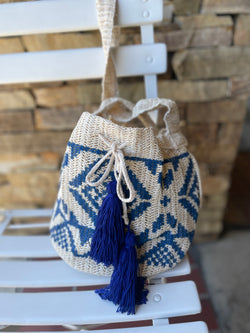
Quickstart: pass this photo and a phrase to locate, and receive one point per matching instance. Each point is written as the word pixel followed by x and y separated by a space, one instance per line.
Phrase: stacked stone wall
pixel 208 75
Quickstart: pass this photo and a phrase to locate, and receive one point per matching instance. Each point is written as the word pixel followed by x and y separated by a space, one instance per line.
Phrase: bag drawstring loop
pixel 116 156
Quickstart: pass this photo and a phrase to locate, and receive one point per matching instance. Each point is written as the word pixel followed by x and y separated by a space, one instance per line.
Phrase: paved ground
pixel 226 267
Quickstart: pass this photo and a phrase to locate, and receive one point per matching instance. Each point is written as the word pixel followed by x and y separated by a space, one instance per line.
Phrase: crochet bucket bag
pixel 129 195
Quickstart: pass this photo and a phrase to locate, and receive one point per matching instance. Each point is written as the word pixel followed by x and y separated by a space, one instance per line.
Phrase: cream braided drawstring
pixel 117 159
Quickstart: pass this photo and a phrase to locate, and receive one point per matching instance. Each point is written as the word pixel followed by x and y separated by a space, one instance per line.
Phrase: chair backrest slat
pixel 47 16
pixel 76 64
pixel 50 16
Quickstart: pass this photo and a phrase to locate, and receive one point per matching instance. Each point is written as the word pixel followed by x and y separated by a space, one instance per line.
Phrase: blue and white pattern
pixel 163 215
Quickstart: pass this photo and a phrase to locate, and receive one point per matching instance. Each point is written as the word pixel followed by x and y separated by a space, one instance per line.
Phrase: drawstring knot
pixel 115 154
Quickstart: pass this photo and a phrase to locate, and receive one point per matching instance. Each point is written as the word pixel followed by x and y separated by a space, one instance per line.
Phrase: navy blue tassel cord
pixel 126 289
pixel 108 237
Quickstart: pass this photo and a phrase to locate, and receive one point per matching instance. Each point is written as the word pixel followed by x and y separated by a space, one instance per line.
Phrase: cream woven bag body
pixel 157 179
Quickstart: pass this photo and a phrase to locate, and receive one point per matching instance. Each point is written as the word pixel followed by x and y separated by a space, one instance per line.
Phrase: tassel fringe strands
pixel 126 289
pixel 108 237
pixel 110 245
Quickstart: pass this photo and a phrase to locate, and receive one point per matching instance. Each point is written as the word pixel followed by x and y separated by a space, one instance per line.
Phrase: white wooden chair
pixel 20 264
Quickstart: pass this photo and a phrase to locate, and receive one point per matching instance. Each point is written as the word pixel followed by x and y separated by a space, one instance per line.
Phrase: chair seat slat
pixel 26 247
pixel 195 327
pixel 56 273
pixel 42 212
pixel 46 66
pixel 44 225
pixel 82 307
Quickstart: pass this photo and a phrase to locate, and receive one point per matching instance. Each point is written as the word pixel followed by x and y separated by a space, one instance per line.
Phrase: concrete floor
pixel 226 267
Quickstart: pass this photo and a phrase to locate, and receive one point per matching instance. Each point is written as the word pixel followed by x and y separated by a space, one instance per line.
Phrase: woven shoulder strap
pixel 106 16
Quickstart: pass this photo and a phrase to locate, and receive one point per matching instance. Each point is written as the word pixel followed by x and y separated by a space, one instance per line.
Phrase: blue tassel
pixel 108 237
pixel 126 289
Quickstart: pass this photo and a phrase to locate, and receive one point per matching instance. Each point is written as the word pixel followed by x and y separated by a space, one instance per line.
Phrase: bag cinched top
pixel 129 196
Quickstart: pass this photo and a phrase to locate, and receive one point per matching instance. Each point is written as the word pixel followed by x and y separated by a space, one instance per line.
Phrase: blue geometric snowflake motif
pixel 189 192
pixel 160 254
pixel 166 247
pixel 62 233
pixel 142 200
pixel 90 198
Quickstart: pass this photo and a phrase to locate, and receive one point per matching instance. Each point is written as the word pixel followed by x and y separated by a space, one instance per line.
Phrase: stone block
pixel 37 142
pixel 175 40
pixel 193 91
pixel 10 45
pixel 183 7
pixel 3 179
pixel 203 168
pixel 89 93
pixel 215 201
pixel 57 96
pixel 31 188
pixel 203 21
pixel 214 153
pixel 216 112
pixel 16 99
pixel 208 230
pixel 182 112
pixel 225 6
pixel 70 95
pixel 215 214
pixel 130 36
pixel 230 133
pixel 182 39
pixel 211 63
pixel 215 184
pixel 201 133
pixel 221 169
pixel 16 163
pixel 132 91
pixel 57 119
pixel 16 121
pixel 240 87
pixel 86 94
pixel 27 85
pixel 218 36
pixel 71 40
pixel 242 30
pixel 49 160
